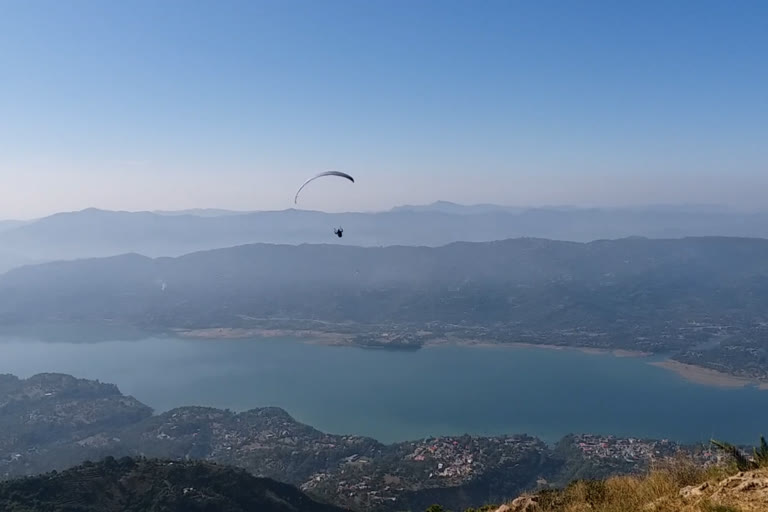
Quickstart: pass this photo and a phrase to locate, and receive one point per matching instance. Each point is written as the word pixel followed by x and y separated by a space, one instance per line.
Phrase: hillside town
pixel 443 462
pixel 638 453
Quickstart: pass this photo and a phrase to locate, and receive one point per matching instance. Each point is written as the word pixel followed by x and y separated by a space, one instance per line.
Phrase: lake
pixel 394 396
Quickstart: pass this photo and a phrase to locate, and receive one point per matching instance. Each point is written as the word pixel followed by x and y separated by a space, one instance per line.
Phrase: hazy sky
pixel 176 104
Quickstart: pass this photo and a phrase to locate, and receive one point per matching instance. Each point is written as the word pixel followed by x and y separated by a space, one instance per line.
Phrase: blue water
pixel 394 396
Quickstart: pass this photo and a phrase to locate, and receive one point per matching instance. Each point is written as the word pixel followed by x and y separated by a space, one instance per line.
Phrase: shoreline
pixel 692 373
pixel 708 376
pixel 339 339
pixel 518 344
pixel 615 352
pixel 229 333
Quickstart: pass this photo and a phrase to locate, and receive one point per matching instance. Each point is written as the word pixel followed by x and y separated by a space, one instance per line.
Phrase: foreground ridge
pixel 148 485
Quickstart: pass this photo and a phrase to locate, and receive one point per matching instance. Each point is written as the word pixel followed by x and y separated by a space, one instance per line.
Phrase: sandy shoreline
pixel 515 344
pixel 616 352
pixel 709 377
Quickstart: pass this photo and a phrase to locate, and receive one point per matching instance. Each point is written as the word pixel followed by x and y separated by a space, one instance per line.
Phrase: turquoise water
pixel 394 396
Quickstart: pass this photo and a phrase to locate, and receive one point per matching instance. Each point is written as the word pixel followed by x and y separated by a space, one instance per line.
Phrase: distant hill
pixel 635 293
pixel 142 485
pixel 97 233
pixel 520 280
pixel 457 209
pixel 200 212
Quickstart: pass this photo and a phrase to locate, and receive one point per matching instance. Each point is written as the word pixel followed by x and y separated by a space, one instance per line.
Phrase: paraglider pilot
pixel 338 232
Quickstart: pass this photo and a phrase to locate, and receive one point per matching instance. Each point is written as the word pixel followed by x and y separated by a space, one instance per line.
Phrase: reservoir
pixel 394 396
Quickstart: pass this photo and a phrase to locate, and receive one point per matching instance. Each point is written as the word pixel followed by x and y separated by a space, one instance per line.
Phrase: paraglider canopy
pixel 326 173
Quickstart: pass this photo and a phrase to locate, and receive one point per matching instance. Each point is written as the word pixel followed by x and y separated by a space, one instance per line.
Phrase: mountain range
pixel 511 279
pixel 96 233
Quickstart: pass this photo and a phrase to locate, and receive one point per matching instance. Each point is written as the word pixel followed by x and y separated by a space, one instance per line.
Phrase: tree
pixel 759 455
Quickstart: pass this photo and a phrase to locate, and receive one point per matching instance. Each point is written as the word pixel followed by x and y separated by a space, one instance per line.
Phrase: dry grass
pixel 658 491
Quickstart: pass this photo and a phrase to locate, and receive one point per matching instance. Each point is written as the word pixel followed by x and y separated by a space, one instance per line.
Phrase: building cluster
pixel 628 449
pixel 417 465
pixel 639 451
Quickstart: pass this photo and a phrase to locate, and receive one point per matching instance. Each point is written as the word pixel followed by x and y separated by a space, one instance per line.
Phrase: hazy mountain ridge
pixel 97 233
pixel 457 209
pixel 502 266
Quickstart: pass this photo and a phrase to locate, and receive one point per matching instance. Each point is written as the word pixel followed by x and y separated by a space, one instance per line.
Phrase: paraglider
pixel 326 173
pixel 338 232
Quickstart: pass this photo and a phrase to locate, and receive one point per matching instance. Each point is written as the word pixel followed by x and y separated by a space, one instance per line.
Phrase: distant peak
pixel 91 209
pixel 448 207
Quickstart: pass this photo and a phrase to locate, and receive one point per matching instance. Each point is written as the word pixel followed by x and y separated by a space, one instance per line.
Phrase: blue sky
pixel 175 104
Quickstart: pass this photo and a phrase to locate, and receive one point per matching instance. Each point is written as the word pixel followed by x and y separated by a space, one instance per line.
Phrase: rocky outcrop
pixel 746 491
